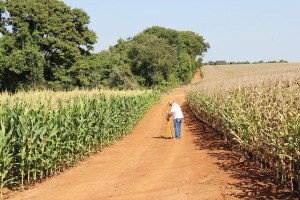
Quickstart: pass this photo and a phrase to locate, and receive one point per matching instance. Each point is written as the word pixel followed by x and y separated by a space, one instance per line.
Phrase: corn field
pixel 256 109
pixel 44 133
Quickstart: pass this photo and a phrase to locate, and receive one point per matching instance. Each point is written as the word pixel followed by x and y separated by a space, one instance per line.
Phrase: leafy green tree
pixel 111 68
pixel 189 45
pixel 100 68
pixel 153 60
pixel 185 72
pixel 220 62
pixel 185 41
pixel 20 68
pixel 172 36
pixel 58 32
pixel 199 61
pixel 192 43
pixel 156 57
pixel 283 61
pixel 121 75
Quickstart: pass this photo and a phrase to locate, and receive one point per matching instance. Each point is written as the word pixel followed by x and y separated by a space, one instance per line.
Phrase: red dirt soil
pixel 145 165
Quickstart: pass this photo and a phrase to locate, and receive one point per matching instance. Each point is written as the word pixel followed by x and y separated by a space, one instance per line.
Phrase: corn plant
pixel 40 138
pixel 260 114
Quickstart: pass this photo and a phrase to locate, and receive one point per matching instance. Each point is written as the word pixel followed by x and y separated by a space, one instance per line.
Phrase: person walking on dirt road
pixel 178 117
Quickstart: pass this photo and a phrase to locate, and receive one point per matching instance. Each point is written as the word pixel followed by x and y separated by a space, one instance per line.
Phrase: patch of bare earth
pixel 145 165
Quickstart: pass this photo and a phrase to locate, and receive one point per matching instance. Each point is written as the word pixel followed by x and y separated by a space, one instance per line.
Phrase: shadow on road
pixel 255 182
pixel 162 137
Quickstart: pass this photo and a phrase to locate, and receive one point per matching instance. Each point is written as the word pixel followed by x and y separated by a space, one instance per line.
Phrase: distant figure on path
pixel 178 117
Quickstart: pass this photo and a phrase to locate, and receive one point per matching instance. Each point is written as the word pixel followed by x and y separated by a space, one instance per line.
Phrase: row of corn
pixel 38 139
pixel 262 119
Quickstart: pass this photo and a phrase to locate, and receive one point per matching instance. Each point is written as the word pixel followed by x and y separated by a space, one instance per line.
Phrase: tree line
pixel 223 62
pixel 44 44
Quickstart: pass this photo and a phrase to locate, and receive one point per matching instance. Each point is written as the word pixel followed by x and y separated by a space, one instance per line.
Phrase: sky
pixel 237 30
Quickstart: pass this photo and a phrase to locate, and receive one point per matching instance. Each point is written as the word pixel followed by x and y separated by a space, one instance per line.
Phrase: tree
pixel 189 45
pixel 21 68
pixel 185 72
pixel 153 60
pixel 55 30
pixel 192 44
pixel 172 36
pixel 112 67
pixel 185 41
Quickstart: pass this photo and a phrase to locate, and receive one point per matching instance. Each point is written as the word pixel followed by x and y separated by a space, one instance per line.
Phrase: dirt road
pixel 145 165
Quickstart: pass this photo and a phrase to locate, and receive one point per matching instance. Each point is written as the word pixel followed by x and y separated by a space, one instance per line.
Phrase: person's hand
pixel 168 116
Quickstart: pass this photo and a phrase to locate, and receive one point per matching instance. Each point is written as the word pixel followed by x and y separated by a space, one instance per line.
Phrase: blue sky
pixel 236 30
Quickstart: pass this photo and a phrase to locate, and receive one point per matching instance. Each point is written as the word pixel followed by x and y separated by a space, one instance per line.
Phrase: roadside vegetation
pixel 44 44
pixel 255 107
pixel 60 101
pixel 223 62
pixel 45 133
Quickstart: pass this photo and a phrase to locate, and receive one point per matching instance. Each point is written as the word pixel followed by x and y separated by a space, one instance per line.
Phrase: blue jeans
pixel 177 127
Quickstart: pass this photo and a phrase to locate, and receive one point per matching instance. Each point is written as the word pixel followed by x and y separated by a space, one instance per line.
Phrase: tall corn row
pixel 39 141
pixel 262 119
